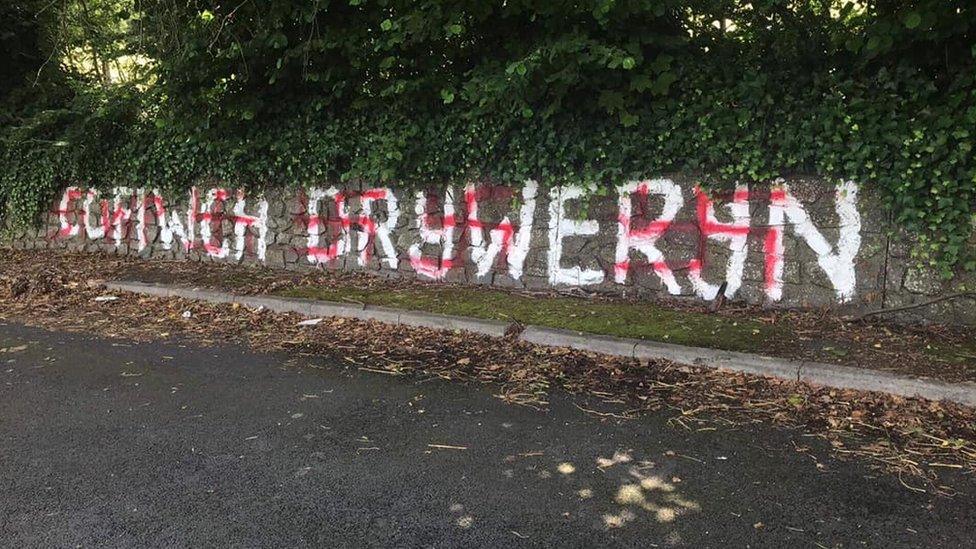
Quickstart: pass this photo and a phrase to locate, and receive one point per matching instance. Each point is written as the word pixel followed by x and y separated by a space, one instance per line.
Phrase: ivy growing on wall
pixel 291 92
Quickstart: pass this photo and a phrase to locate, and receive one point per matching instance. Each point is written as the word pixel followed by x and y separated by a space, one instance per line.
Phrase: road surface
pixel 111 443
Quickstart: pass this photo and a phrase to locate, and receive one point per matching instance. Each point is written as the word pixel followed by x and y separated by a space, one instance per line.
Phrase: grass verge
pixel 633 320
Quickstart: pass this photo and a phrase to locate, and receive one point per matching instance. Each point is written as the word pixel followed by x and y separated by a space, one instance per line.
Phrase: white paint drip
pixel 515 243
pixel 258 222
pixel 645 240
pixel 343 242
pixel 735 233
pixel 112 218
pixel 838 264
pixel 67 229
pixel 382 231
pixel 142 200
pixel 560 227
pixel 837 261
pixel 444 237
pixel 213 197
pixel 121 212
pixel 97 231
pixel 170 225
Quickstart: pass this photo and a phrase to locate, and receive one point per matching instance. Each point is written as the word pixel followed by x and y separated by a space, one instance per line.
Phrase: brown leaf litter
pixel 916 439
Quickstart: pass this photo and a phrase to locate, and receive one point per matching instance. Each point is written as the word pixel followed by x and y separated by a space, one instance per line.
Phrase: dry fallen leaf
pixel 36 288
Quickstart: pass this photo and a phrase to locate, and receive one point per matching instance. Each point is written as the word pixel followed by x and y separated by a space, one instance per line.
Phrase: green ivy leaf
pixel 912 20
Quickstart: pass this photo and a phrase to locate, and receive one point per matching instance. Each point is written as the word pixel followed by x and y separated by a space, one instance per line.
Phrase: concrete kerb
pixel 141 288
pixel 447 322
pixel 315 308
pixel 829 375
pixel 887 382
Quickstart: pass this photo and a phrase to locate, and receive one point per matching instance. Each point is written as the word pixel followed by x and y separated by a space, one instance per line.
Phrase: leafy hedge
pixel 419 92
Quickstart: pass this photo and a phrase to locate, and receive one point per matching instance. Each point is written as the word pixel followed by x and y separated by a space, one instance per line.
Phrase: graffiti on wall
pixel 337 223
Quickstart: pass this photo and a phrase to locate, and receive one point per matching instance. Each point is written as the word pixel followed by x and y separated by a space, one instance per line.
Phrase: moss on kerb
pixel 958 353
pixel 634 320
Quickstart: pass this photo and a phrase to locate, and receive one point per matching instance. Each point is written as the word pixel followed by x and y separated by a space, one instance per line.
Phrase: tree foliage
pixel 431 91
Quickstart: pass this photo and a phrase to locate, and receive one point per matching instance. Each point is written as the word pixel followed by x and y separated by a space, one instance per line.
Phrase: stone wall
pixel 797 243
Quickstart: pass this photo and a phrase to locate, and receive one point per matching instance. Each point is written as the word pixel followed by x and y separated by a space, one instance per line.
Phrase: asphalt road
pixel 115 444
